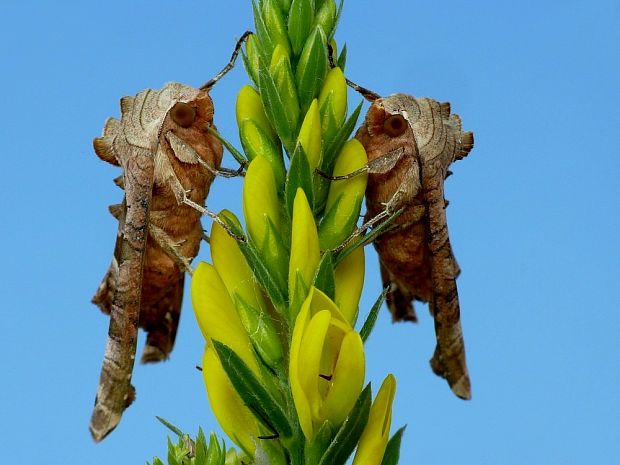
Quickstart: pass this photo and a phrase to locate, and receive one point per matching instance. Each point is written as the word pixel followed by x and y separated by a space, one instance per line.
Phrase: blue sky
pixel 534 220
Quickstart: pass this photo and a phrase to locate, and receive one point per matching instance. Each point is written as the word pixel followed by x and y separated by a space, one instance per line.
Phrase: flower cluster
pixel 284 364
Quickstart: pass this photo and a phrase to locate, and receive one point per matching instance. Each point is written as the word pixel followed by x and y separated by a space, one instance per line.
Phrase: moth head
pixel 183 114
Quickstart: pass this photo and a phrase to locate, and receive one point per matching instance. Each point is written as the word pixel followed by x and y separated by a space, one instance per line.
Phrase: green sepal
pixel 250 68
pixel 392 450
pixel 275 108
pixel 350 431
pixel 298 297
pixel 322 438
pixel 252 392
pixel 312 68
pixel 298 175
pixel 329 124
pixel 326 16
pixel 175 456
pixel 300 19
pixel 371 319
pixel 282 75
pixel 337 19
pixel 275 253
pixel 325 279
pixel 156 461
pixel 342 58
pixel 335 226
pixel 263 275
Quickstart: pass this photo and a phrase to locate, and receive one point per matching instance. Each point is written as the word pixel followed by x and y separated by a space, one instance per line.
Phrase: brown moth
pixel 169 159
pixel 411 143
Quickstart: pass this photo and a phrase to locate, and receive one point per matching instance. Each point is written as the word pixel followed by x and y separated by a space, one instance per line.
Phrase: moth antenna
pixel 210 83
pixel 366 93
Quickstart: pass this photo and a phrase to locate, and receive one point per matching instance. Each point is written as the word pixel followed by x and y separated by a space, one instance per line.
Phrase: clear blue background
pixel 534 220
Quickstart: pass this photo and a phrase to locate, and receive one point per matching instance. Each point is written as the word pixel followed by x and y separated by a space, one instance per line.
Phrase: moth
pixel 411 142
pixel 169 158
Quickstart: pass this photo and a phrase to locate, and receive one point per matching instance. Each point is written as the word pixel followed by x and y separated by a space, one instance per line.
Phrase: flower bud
pixel 282 74
pixel 326 16
pixel 333 102
pixel 252 58
pixel 349 277
pixel 256 142
pixel 305 252
pixel 376 434
pixel 310 135
pixel 250 108
pixel 300 19
pixel 246 293
pixel 345 197
pixel 275 24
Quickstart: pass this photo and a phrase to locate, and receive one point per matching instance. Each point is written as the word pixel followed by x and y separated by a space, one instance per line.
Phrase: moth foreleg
pixel 380 165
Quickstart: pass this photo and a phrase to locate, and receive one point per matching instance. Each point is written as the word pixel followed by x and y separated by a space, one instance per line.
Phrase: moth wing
pixel 449 358
pixel 115 392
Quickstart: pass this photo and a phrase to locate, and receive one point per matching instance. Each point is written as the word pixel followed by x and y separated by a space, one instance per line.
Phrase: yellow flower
pixel 326 364
pixel 305 253
pixel 376 434
pixel 234 417
pixel 217 316
pixel 349 277
pixel 310 135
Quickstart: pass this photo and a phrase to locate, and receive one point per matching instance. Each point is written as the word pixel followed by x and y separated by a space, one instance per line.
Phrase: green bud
pixel 344 200
pixel 326 16
pixel 255 142
pixel 282 74
pixel 312 67
pixel 250 107
pixel 275 24
pixel 300 19
pixel 333 103
pixel 285 5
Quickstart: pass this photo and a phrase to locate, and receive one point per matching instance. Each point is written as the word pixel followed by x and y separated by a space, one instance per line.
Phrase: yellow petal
pixel 375 436
pixel 216 313
pixel 310 354
pixel 347 380
pixel 349 277
pixel 233 416
pixel 302 404
pixel 305 251
pixel 310 135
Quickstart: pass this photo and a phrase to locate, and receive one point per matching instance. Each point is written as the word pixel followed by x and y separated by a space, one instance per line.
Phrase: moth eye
pixel 395 125
pixel 183 114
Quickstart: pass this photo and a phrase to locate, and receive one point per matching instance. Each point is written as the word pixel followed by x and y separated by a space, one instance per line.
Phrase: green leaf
pixel 299 175
pixel 350 431
pixel 201 447
pixel 300 19
pixel 392 450
pixel 170 426
pixel 157 461
pixel 325 279
pixel 337 20
pixel 312 68
pixel 264 276
pixel 172 454
pixel 275 108
pixel 342 58
pixel 336 144
pixel 371 319
pixel 252 392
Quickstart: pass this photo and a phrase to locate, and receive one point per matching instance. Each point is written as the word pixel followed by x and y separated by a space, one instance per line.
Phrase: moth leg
pixel 366 93
pixel 170 247
pixel 182 199
pixel 230 64
pixel 223 172
pixel 380 165
pixel 237 155
pixel 384 215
